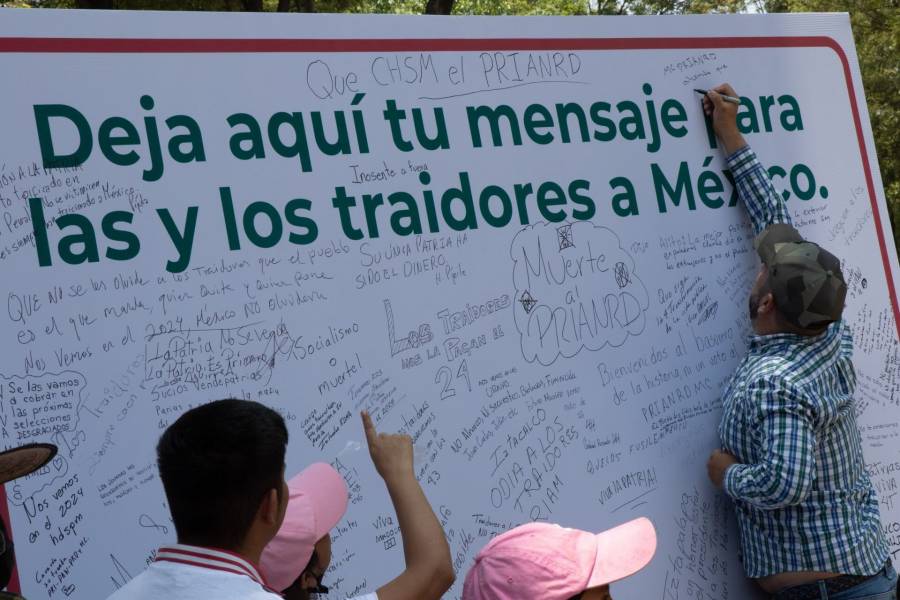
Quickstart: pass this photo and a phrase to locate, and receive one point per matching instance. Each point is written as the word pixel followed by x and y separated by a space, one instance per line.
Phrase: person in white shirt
pixel 222 467
pixel 298 556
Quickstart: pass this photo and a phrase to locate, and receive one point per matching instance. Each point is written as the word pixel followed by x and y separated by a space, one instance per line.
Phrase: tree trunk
pixel 284 5
pixel 439 7
pixel 306 6
pixel 253 5
pixel 101 4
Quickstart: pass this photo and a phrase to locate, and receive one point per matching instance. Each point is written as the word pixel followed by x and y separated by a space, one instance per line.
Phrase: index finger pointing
pixel 368 427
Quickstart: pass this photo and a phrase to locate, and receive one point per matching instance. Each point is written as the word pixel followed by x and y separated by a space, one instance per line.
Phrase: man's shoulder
pixel 767 371
pixel 795 362
pixel 135 591
pixel 182 582
pixel 776 383
pixel 139 587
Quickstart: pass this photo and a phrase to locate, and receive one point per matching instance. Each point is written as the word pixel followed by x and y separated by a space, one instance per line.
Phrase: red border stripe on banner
pixel 37 45
pixel 219 46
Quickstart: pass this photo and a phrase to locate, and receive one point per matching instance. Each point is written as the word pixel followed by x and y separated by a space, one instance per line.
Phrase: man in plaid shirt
pixel 792 456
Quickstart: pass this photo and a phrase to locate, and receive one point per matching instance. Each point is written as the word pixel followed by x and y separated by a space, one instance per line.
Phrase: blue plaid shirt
pixel 802 496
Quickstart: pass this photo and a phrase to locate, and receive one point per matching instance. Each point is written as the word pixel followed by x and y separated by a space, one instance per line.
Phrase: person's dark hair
pixel 217 462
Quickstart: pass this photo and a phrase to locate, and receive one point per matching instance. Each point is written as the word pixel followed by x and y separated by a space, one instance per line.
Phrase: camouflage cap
pixel 806 279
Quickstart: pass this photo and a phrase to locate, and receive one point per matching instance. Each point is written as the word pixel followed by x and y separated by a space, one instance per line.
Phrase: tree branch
pixel 439 7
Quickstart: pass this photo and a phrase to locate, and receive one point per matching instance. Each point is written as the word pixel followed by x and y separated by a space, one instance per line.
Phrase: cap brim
pixel 23 460
pixel 327 491
pixel 623 551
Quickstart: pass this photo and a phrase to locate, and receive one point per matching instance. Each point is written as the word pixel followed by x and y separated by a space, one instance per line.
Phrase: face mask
pixel 7 557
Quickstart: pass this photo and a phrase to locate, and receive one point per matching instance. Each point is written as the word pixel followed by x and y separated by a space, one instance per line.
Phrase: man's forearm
pixel 418 523
pixel 764 204
pixel 732 142
pixel 759 486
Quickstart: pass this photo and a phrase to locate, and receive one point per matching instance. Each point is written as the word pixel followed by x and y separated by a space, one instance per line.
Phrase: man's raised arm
pixel 764 204
pixel 429 570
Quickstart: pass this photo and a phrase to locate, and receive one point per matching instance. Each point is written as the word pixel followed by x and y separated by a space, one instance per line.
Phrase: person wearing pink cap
pixel 541 561
pixel 296 559
pixel 317 500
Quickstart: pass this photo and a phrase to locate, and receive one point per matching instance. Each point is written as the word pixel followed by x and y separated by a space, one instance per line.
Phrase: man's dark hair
pixel 217 462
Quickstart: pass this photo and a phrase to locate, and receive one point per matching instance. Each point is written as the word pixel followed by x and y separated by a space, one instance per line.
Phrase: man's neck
pixel 250 554
pixel 248 551
pixel 775 330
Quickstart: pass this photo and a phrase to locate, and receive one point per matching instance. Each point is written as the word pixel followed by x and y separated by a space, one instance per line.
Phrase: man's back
pixel 790 408
pixel 205 580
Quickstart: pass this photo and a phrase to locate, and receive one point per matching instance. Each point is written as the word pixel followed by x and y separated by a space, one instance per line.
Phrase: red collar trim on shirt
pixel 210 558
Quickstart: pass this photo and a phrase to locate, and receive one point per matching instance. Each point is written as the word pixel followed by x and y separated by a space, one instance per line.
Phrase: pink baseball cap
pixel 545 561
pixel 317 501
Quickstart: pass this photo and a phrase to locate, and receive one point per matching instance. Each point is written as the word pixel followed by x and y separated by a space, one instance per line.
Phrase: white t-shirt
pixel 183 572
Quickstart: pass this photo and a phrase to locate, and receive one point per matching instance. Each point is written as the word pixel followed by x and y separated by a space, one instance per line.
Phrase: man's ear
pixel 307 581
pixel 767 304
pixel 269 507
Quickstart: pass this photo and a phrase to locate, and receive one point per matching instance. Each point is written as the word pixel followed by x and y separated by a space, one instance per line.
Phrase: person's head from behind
pixel 542 561
pixel 222 468
pixel 295 560
pixel 799 287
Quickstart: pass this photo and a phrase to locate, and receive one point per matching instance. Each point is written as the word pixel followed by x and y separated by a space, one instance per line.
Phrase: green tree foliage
pixel 521 7
pixel 667 7
pixel 876 27
pixel 457 7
